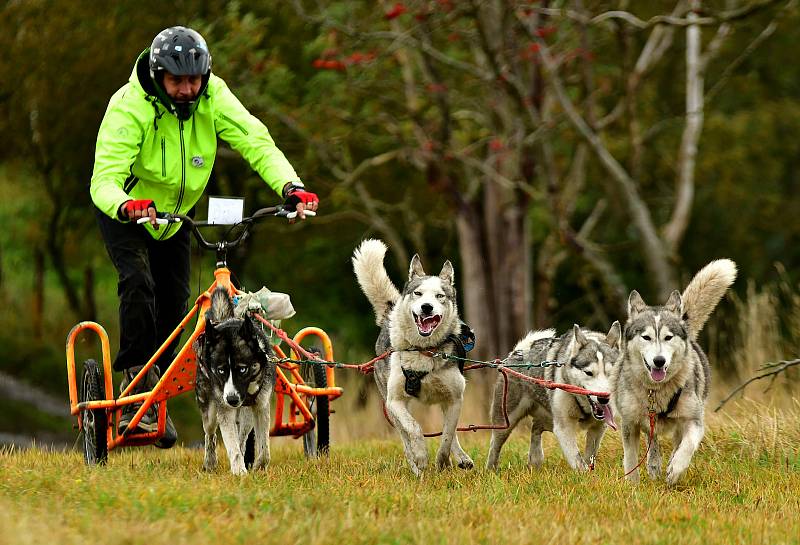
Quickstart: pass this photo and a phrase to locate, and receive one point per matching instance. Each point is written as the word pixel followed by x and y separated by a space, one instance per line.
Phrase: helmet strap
pixel 181 110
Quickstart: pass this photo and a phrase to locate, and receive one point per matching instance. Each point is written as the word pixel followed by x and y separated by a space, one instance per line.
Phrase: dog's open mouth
pixel 602 411
pixel 426 324
pixel 656 373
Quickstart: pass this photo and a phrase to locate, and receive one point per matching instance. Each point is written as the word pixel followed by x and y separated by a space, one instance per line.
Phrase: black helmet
pixel 180 51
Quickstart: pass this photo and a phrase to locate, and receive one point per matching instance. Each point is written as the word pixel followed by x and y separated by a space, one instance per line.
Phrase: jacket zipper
pixel 163 157
pixel 183 180
pixel 235 124
pixel 130 183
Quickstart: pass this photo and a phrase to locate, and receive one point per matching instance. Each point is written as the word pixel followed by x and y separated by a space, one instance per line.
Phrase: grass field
pixel 743 487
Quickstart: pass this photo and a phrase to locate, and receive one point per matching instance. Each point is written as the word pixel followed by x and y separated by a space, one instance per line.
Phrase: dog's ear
pixel 211 332
pixel 674 303
pixel 249 332
pixel 579 340
pixel 246 329
pixel 447 274
pixel 635 304
pixel 415 270
pixel 614 336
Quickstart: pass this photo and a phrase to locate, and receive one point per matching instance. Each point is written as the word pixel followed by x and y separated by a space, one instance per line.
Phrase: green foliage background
pixel 57 73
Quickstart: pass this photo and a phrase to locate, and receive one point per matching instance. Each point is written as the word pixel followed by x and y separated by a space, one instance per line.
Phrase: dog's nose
pixel 659 361
pixel 232 400
pixel 427 308
pixel 603 400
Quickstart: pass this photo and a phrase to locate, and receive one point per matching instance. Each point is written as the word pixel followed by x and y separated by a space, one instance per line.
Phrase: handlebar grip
pixel 293 214
pixel 162 218
pixel 309 213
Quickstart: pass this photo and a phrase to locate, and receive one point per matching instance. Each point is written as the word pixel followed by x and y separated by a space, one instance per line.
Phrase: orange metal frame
pixel 179 378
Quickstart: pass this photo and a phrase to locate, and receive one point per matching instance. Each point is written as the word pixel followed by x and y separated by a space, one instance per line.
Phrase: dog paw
pixel 463 461
pixel 237 469
pixel 579 464
pixel 536 458
pixel 443 461
pixel 209 463
pixel 674 475
pixel 260 463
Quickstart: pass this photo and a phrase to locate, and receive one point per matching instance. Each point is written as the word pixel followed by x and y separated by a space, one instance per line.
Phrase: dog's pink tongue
pixel 658 374
pixel 608 418
pixel 428 324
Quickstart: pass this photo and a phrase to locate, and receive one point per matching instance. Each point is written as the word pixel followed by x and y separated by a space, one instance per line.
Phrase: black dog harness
pixel 672 403
pixel 414 378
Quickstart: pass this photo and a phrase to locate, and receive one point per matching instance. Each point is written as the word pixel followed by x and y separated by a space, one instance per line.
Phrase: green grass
pixel 743 487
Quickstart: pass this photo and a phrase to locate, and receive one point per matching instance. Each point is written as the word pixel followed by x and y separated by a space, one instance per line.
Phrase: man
pixel 155 151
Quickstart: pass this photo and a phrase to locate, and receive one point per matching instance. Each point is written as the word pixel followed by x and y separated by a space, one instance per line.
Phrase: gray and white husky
pixel 421 319
pixel 664 369
pixel 585 359
pixel 234 383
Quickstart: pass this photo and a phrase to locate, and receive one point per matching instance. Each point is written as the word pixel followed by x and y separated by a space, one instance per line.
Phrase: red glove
pixel 296 194
pixel 129 209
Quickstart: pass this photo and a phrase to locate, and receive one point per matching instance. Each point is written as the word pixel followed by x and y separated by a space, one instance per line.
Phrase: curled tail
pixel 221 305
pixel 705 291
pixel 527 341
pixel 372 277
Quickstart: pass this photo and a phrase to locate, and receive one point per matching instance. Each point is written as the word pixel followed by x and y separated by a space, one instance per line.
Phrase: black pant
pixel 153 288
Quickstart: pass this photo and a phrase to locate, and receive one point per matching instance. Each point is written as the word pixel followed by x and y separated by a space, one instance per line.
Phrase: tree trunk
pixel 681 214
pixel 478 304
pixel 38 294
pixel 496 287
pixel 89 304
pixel 56 254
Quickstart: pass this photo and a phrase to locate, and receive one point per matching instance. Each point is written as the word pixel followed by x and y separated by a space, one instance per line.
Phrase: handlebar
pixel 163 218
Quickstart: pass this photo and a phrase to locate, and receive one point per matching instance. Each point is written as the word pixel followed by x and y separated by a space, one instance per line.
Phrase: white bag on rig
pixel 272 305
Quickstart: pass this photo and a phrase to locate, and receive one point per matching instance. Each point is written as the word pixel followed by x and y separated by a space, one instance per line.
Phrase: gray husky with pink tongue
pixel 581 358
pixel 664 370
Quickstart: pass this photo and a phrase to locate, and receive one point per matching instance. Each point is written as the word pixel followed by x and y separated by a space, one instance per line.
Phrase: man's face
pixel 182 88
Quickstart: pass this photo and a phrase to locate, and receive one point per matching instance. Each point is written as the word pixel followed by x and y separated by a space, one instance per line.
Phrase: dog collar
pixel 673 402
pixel 459 350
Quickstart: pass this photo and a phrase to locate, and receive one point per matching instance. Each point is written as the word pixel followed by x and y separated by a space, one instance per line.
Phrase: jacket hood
pixel 154 93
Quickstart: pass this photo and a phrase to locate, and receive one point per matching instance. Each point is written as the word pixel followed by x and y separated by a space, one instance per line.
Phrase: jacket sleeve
pixel 119 141
pixel 247 134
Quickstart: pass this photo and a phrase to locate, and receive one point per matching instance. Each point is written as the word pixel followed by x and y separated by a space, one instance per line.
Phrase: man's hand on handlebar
pixel 138 209
pixel 297 198
pixel 236 235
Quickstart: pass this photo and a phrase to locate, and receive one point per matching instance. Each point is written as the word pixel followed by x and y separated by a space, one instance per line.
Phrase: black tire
pixel 317 440
pixel 95 423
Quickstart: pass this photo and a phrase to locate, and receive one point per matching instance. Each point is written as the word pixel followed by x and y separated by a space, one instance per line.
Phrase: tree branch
pixel 653 246
pixel 768 31
pixel 674 20
pixel 774 370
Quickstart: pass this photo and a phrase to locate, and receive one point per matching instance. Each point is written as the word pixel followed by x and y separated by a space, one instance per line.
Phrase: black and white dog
pixel 235 379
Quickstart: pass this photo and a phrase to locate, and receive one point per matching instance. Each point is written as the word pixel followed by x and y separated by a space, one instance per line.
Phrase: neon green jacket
pixel 144 152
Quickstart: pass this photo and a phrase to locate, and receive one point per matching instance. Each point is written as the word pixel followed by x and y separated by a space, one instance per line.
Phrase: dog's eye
pixel 243 369
pixel 440 296
pixel 418 293
pixel 589 373
pixel 668 337
pixel 221 370
pixel 647 337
